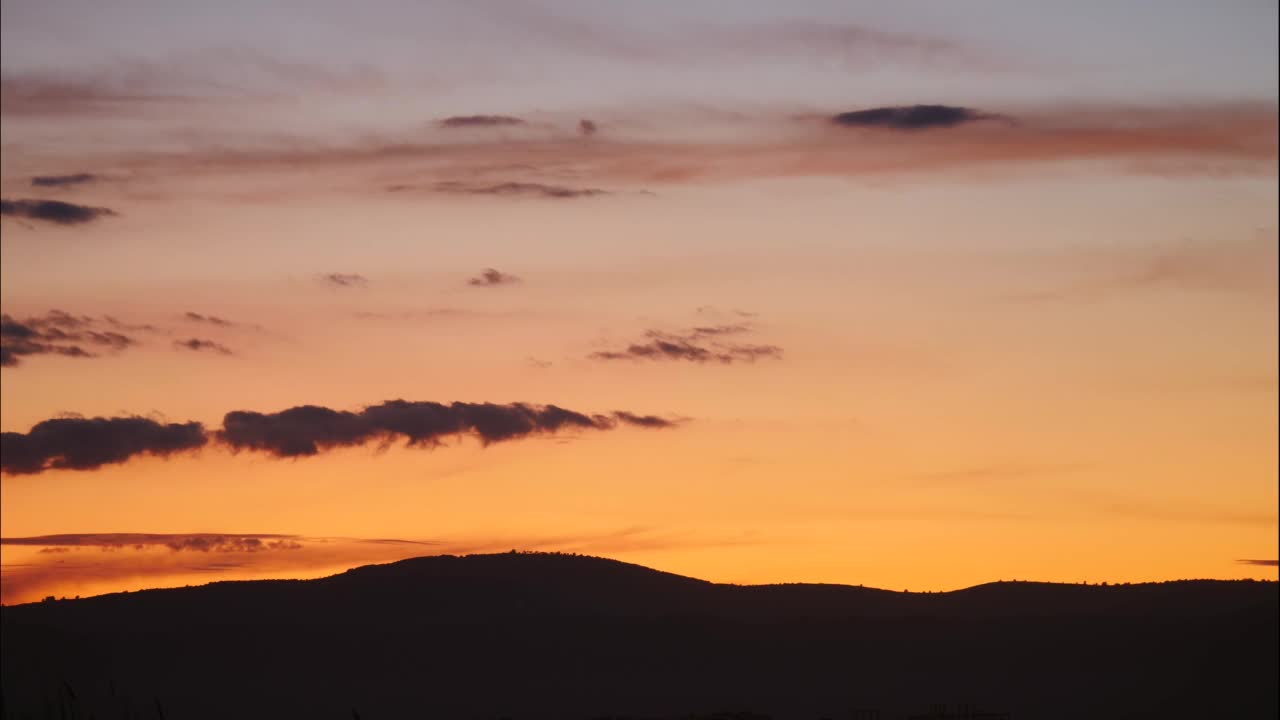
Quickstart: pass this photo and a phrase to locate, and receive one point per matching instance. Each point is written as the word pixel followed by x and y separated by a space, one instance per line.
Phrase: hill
pixel 562 636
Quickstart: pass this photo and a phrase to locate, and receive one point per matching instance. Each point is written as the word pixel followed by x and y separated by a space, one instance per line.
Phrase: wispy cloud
pixel 1236 137
pixel 345 279
pixel 200 542
pixel 491 278
pixel 426 314
pixel 135 84
pixel 1170 510
pixel 1247 266
pixel 518 189
pixel 200 345
pixel 697 345
pixel 832 45
pixel 58 333
pixel 1261 563
pixel 209 319
pixel 44 95
pixel 997 472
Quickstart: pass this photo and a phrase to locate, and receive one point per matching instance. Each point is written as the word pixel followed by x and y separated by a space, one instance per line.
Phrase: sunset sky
pixel 697 309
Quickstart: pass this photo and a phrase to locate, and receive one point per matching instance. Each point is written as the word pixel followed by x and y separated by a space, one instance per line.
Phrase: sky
pixel 916 295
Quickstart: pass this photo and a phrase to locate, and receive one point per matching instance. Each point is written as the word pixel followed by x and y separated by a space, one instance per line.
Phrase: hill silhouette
pixel 534 635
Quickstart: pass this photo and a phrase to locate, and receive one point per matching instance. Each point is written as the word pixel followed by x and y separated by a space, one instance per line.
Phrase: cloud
pixel 650 421
pixel 1170 510
pixel 1262 563
pixel 77 443
pixel 491 277
pixel 460 121
pixel 11 351
pixel 345 279
pixel 56 333
pixel 199 345
pixel 423 314
pixel 63 180
pixel 203 542
pixel 111 562
pixel 209 319
pixel 1247 265
pixel 508 189
pixel 228 544
pixel 732 312
pixel 73 443
pixel 39 95
pixel 215 75
pixel 826 45
pixel 1180 140
pixel 909 117
pixel 143 327
pixel 54 211
pixel 997 473
pixel 715 330
pixel 309 429
pixel 697 345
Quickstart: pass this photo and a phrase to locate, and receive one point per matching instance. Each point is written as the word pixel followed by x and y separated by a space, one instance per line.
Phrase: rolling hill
pixel 529 635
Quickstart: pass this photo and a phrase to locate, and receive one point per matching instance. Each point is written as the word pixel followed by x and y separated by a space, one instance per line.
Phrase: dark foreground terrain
pixel 565 637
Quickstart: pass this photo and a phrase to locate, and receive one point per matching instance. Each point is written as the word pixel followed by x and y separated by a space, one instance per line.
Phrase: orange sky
pixel 1042 349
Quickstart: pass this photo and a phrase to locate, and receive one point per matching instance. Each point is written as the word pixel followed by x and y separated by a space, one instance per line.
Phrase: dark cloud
pixel 697 345
pixel 1263 563
pixel 63 180
pixel 55 333
pixel 209 319
pixel 345 279
pixel 516 189
pixel 199 345
pixel 19 339
pixel 54 211
pixel 649 421
pixel 459 121
pixel 309 429
pixel 75 443
pixel 587 128
pixel 89 443
pixel 491 277
pixel 909 117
